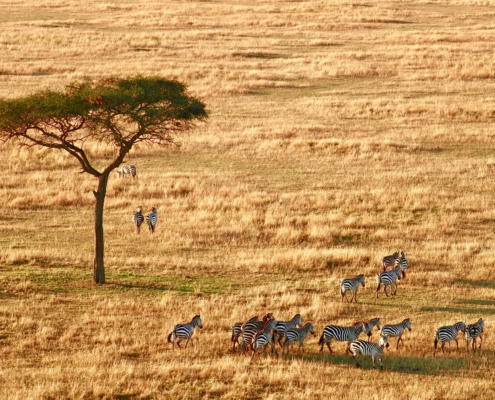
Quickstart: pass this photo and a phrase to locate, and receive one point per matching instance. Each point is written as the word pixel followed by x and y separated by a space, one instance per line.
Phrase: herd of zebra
pixel 386 278
pixel 256 334
pixel 138 217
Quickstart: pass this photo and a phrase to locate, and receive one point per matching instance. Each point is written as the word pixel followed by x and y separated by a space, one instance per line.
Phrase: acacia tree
pixel 119 112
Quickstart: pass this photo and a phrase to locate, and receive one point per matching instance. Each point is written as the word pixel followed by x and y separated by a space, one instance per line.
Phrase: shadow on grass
pixel 483 284
pixel 441 365
pixel 477 311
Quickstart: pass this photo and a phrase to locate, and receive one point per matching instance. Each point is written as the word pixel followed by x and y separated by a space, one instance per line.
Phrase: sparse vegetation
pixel 338 133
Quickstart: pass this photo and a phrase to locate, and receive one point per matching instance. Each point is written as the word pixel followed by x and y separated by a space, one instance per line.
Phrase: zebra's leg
pixel 481 340
pixel 387 289
pixel 355 296
pixel 356 360
pixel 377 289
pixel 398 340
pixel 381 364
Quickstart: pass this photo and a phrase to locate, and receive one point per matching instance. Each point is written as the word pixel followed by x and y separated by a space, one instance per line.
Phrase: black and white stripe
pixel 351 285
pixel 474 331
pixel 340 333
pixel 264 338
pixel 237 330
pixel 184 332
pixel 137 219
pixel 249 330
pixel 389 261
pixel 396 330
pixel 152 219
pixel 297 334
pixel 389 280
pixel 126 170
pixel 448 333
pixel 373 350
pixel 282 326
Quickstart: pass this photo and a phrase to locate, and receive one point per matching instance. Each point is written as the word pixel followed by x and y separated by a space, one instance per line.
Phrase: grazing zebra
pixel 237 330
pixel 402 263
pixel 282 326
pixel 389 280
pixel 396 330
pixel 351 285
pixel 250 328
pixel 448 333
pixel 369 325
pixel 152 219
pixel 184 331
pixel 137 219
pixel 264 337
pixel 474 331
pixel 368 349
pixel 299 334
pixel 389 261
pixel 126 170
pixel 341 334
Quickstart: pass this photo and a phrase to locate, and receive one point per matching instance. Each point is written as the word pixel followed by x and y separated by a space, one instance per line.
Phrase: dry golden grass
pixel 339 133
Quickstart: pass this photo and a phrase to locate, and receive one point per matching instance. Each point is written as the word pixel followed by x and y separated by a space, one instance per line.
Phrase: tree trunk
pixel 99 266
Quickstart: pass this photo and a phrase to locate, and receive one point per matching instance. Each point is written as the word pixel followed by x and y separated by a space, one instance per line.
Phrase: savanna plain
pixel 338 133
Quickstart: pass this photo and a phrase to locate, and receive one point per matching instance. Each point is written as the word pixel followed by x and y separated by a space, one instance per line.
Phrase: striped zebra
pixel 264 338
pixel 389 261
pixel 351 285
pixel 249 330
pixel 368 349
pixel 184 332
pixel 474 331
pixel 448 333
pixel 237 330
pixel 402 263
pixel 152 219
pixel 299 334
pixel 369 325
pixel 396 330
pixel 126 170
pixel 342 334
pixel 137 219
pixel 389 280
pixel 282 326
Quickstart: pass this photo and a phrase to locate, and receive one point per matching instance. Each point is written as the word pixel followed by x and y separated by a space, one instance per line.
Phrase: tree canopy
pixel 117 111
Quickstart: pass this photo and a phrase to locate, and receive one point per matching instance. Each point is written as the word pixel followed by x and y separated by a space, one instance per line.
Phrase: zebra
pixel 237 330
pixel 264 338
pixel 448 333
pixel 126 170
pixel 137 219
pixel 250 328
pixel 299 334
pixel 474 331
pixel 369 325
pixel 396 330
pixel 368 349
pixel 389 280
pixel 152 219
pixel 184 331
pixel 389 261
pixel 341 334
pixel 351 285
pixel 282 326
pixel 402 263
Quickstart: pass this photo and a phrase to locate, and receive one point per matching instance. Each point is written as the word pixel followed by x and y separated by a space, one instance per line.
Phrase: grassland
pixel 339 132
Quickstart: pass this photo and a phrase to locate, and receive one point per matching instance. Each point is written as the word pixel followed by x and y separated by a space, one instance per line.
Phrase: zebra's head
pixel 360 279
pixel 461 326
pixel 298 320
pixel 197 321
pixel 310 325
pixel 407 324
